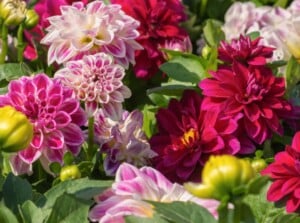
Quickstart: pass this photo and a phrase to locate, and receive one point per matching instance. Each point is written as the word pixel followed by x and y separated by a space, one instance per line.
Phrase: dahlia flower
pixel 121 138
pixel 188 135
pixel 285 173
pixel 95 79
pixel 99 28
pixel 56 118
pixel 253 93
pixel 131 187
pixel 159 23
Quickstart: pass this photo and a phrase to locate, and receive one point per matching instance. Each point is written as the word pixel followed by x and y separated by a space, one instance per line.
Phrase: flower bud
pixel 32 18
pixel 220 176
pixel 16 131
pixel 69 172
pixel 258 165
pixel 12 11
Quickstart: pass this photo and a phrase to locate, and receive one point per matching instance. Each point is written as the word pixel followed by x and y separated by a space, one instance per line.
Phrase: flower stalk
pixel 21 43
pixel 90 150
pixel 4 34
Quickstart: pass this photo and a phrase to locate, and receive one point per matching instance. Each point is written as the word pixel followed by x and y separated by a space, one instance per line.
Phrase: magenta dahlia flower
pixel 285 173
pixel 131 187
pixel 55 115
pixel 95 79
pixel 188 135
pixel 121 138
pixel 95 28
pixel 159 21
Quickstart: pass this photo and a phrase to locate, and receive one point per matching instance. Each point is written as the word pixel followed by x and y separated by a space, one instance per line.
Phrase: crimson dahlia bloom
pixel 159 23
pixel 251 92
pixel 55 115
pixel 285 173
pixel 187 135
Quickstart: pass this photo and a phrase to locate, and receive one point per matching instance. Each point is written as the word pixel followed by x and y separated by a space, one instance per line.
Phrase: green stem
pixel 4 34
pixel 90 151
pixel 21 43
pixel 237 211
pixel 223 212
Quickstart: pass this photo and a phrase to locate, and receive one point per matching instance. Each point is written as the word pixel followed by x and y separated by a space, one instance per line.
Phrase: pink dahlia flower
pixel 121 138
pixel 188 135
pixel 131 187
pixel 256 95
pixel 98 28
pixel 56 117
pixel 95 79
pixel 285 173
pixel 159 23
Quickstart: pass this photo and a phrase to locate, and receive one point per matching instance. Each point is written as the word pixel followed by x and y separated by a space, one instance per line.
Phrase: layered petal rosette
pixel 285 173
pixel 131 187
pixel 188 135
pixel 121 138
pixel 159 21
pixel 95 79
pixel 248 89
pixel 95 28
pixel 55 115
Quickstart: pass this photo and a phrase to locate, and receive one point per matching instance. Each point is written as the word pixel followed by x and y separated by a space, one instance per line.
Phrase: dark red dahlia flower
pixel 159 22
pixel 244 51
pixel 285 173
pixel 187 135
pixel 256 95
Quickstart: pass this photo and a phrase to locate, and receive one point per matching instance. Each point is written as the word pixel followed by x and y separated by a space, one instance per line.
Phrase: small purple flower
pixel 121 137
pixel 81 30
pixel 131 187
pixel 56 117
pixel 95 79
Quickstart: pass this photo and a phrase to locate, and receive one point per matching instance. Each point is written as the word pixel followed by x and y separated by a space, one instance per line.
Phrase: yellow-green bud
pixel 69 172
pixel 205 51
pixel 16 131
pixel 221 175
pixel 12 11
pixel 32 18
pixel 258 164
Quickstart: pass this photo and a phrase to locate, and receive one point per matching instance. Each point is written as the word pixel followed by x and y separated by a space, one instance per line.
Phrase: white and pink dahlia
pixel 121 138
pixel 55 115
pixel 95 79
pixel 81 30
pixel 131 187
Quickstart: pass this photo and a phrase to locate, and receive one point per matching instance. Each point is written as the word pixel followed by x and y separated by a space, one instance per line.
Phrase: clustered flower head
pixel 247 88
pixel 159 23
pixel 56 117
pixel 188 135
pixel 285 174
pixel 99 28
pixel 120 135
pixel 95 79
pixel 131 187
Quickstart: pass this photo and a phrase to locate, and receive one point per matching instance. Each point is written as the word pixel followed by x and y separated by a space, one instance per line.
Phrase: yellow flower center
pixel 189 137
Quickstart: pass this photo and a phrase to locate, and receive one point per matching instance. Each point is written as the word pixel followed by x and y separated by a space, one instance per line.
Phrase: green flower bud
pixel 69 172
pixel 258 165
pixel 12 11
pixel 32 18
pixel 205 51
pixel 16 131
pixel 220 176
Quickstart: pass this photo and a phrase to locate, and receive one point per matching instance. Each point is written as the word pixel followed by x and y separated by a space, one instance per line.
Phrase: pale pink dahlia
pixel 56 117
pixel 131 187
pixel 95 28
pixel 95 79
pixel 121 138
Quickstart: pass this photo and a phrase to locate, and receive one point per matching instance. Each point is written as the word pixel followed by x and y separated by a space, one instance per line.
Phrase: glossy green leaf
pixel 6 215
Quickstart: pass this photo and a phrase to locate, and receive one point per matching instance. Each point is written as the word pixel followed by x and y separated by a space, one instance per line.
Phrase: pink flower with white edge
pixel 131 187
pixel 81 30
pixel 121 138
pixel 55 115
pixel 95 79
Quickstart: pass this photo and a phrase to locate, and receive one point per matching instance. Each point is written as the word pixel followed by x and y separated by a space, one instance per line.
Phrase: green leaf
pixel 15 192
pixel 55 167
pixel 149 120
pixel 184 69
pixel 292 74
pixel 257 183
pixel 11 71
pixel 213 33
pixel 69 209
pixel 154 219
pixel 159 99
pixel 68 158
pixel 171 90
pixel 31 213
pixel 183 212
pixel 6 215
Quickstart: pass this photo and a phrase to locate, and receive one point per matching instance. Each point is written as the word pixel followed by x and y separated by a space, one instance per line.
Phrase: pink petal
pixel 55 140
pixel 73 135
pixel 62 119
